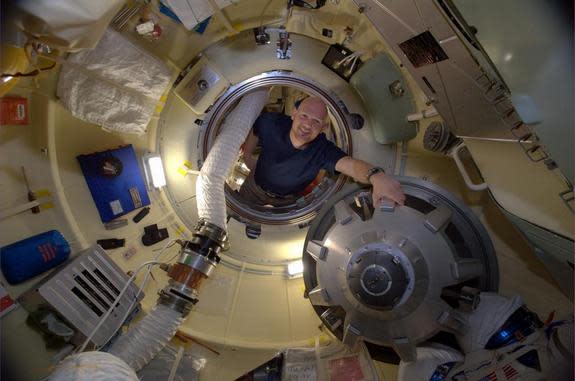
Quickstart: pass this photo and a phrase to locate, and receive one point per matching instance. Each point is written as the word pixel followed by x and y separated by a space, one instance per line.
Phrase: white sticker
pixel 21 112
pixel 116 207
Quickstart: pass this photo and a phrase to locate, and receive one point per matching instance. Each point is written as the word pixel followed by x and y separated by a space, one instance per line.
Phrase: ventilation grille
pixel 423 49
pixel 85 290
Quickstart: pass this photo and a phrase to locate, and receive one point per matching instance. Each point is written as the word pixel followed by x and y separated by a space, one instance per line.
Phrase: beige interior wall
pixel 248 315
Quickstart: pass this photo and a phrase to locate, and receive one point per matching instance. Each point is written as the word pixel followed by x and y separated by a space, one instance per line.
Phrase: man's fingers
pixel 396 195
pixel 388 190
pixel 399 196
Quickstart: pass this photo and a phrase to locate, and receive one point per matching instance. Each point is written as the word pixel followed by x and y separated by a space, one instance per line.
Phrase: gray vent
pixel 423 49
pixel 85 289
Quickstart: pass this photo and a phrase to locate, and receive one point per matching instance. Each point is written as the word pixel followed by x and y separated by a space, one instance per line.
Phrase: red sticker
pixel 345 369
pixel 13 111
pixel 5 302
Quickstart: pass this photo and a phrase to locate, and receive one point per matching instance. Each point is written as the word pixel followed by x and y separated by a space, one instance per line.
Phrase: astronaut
pixel 294 150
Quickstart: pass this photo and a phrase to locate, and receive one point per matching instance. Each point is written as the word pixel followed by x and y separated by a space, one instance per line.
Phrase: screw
pixel 202 84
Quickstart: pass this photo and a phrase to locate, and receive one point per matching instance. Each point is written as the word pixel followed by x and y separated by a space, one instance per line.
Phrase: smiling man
pixel 294 150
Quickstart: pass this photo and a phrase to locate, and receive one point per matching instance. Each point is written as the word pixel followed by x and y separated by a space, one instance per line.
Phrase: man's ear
pixel 293 113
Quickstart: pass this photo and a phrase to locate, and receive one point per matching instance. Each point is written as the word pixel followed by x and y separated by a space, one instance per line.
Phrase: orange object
pixel 14 110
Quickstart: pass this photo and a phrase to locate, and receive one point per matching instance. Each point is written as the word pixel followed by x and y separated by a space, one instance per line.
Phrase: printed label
pixel 48 252
pixel 116 207
pixel 136 197
pixel 21 112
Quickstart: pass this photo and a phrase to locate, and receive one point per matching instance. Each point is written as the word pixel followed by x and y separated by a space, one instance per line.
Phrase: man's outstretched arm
pixel 248 147
pixel 384 186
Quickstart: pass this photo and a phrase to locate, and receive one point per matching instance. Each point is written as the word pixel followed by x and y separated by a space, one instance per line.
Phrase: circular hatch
pixel 287 89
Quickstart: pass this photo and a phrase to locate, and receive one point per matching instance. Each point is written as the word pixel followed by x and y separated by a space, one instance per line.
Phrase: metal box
pixel 201 86
pixel 82 292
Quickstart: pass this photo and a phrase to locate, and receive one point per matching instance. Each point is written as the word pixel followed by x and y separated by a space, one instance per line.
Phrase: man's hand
pixel 386 187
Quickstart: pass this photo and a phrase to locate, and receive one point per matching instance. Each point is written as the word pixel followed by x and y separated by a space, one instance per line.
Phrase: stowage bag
pixel 32 256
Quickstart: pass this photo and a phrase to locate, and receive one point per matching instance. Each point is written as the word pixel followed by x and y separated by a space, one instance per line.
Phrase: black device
pixel 111 166
pixel 141 214
pixel 335 60
pixel 357 121
pixel 111 243
pixel 306 4
pixel 261 36
pixel 373 171
pixel 253 231
pixel 327 32
pixel 154 235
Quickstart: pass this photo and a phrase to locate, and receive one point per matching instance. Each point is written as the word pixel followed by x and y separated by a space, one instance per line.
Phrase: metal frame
pixel 211 126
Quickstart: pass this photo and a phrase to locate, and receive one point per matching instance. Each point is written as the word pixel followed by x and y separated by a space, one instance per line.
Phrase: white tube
pixel 210 183
pixel 143 342
pixel 420 115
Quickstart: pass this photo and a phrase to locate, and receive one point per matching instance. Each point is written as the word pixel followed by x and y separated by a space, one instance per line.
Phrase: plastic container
pixel 32 256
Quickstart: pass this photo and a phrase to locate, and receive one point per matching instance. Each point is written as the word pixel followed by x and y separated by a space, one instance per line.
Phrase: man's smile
pixel 303 132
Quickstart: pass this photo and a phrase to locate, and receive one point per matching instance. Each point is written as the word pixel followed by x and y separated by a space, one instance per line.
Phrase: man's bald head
pixel 314 106
pixel 309 120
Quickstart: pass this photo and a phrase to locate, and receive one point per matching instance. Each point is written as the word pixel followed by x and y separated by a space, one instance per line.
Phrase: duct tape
pixel 179 230
pixel 184 168
pixel 42 193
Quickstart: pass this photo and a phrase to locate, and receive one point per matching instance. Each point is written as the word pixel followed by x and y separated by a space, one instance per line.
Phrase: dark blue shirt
pixel 284 169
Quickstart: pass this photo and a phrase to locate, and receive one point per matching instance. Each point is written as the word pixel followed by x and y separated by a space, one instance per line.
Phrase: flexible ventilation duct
pixel 143 342
pixel 92 366
pixel 210 184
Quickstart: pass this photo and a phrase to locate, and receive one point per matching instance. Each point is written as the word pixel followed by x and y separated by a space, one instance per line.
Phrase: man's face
pixel 309 119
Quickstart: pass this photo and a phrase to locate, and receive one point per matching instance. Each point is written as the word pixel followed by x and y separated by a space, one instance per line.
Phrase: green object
pixel 387 111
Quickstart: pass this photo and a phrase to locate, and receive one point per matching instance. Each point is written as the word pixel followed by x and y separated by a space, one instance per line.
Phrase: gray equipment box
pixel 82 292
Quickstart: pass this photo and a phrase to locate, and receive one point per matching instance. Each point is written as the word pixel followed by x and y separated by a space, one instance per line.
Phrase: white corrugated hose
pixel 154 331
pixel 143 342
pixel 93 366
pixel 210 194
